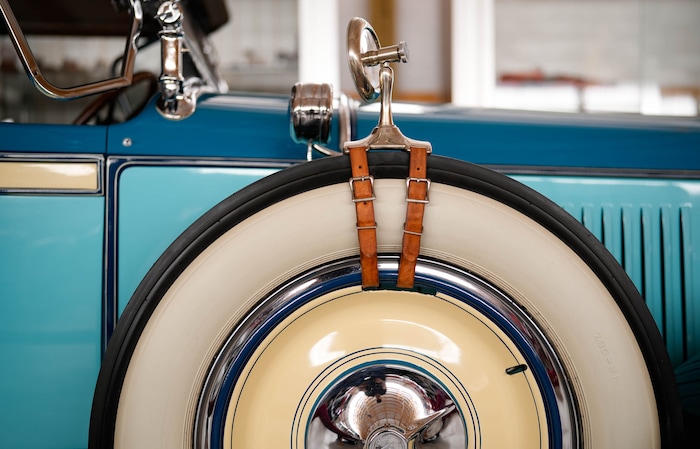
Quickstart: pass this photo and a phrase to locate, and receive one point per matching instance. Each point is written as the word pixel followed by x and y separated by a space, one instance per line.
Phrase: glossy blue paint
pixel 552 140
pixel 651 227
pixel 156 204
pixel 50 285
pixel 52 138
pixel 224 126
pixel 246 127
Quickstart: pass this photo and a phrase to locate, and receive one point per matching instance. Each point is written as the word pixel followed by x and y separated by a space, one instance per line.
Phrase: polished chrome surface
pixel 175 102
pixel 392 53
pixel 387 439
pixel 346 116
pixel 361 38
pixel 356 385
pixel 386 135
pixel 311 112
pixel 178 96
pixel 47 88
pixel 364 52
pixel 386 406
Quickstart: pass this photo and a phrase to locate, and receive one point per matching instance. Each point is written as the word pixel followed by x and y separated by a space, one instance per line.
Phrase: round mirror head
pixel 361 39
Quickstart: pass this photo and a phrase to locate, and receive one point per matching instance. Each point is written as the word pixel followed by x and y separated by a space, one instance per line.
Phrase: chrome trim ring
pixel 437 284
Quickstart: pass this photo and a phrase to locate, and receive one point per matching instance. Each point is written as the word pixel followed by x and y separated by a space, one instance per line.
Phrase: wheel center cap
pixel 386 439
pixel 385 407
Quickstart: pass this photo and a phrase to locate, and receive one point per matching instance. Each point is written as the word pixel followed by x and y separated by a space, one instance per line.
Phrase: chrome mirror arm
pixel 385 135
pixel 44 86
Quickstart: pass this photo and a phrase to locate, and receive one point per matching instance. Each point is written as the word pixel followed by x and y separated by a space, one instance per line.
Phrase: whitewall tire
pixel 522 330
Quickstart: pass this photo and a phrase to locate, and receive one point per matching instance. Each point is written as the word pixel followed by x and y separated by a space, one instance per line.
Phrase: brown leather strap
pixel 417 186
pixel 362 187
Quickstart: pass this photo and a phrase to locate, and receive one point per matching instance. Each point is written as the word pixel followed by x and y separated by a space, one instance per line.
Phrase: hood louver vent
pixel 652 243
pixel 650 227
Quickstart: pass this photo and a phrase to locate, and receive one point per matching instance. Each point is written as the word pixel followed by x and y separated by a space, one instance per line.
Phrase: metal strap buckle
pixel 360 179
pixel 412 200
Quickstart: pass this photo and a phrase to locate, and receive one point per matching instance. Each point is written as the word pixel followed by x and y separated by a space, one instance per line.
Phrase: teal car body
pixel 70 260
pixel 73 253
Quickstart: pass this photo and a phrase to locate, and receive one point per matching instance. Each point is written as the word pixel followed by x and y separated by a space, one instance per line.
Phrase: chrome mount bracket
pixel 178 95
pixel 178 99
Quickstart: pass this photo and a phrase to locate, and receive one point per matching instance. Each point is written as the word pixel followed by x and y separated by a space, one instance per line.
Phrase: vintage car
pixel 221 270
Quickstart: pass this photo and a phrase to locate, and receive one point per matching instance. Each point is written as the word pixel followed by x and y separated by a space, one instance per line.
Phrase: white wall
pixel 640 55
pixel 603 40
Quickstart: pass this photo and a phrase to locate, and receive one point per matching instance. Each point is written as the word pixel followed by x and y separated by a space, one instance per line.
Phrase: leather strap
pixel 362 188
pixel 417 186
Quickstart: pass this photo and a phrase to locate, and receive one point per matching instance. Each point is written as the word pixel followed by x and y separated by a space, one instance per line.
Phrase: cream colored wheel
pixel 252 329
pixel 446 366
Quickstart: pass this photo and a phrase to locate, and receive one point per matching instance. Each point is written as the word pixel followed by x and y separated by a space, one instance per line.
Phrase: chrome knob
pixel 169 13
pixel 392 53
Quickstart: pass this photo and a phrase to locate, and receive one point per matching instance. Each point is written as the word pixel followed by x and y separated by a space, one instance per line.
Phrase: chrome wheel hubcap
pixel 384 407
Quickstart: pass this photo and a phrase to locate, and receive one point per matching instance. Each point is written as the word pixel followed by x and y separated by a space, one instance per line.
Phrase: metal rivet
pixel 126 142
